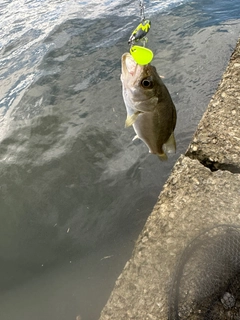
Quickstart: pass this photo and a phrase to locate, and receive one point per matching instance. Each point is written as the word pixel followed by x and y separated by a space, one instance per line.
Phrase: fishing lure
pixel 140 32
pixel 141 54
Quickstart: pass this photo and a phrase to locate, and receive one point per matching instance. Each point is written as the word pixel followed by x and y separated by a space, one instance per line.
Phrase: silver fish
pixel 149 106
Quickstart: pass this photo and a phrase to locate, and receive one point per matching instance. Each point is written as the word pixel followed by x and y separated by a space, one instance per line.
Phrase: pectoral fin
pixel 131 119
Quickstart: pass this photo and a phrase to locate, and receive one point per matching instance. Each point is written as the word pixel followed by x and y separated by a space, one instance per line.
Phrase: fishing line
pixel 142 13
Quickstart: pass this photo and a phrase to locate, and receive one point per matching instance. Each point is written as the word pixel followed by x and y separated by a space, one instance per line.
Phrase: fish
pixel 150 109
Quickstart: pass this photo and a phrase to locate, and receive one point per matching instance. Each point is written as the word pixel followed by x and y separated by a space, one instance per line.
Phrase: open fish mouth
pixel 207 281
pixel 129 65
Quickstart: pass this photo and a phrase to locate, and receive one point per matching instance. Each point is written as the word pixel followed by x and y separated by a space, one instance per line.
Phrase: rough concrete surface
pixel 216 142
pixel 193 199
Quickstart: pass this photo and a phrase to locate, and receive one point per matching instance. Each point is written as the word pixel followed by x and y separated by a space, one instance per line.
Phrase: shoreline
pixel 201 193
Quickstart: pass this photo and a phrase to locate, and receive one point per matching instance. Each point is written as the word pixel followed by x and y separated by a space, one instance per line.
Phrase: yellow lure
pixel 141 55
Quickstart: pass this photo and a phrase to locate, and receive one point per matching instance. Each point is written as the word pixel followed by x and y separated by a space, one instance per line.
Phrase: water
pixel 74 190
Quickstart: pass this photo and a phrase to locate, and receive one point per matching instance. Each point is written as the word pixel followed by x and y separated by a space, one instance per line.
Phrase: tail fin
pixel 170 145
pixel 162 156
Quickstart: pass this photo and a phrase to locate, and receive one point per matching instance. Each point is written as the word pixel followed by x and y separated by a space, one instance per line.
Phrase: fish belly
pixel 158 136
pixel 146 131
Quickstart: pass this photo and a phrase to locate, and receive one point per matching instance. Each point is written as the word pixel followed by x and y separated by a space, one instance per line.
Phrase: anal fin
pixel 135 137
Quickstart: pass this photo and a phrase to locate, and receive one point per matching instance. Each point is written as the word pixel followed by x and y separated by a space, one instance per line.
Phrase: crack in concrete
pixel 214 165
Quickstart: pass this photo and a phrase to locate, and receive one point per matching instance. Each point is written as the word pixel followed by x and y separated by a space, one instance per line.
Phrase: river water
pixel 75 191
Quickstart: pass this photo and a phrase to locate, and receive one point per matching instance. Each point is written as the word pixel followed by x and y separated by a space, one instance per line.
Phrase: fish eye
pixel 147 83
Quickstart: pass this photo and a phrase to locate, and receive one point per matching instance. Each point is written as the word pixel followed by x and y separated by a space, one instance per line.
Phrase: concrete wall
pixel 202 192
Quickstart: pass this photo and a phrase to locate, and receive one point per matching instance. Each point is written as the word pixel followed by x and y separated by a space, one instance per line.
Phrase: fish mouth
pixel 131 77
pixel 129 65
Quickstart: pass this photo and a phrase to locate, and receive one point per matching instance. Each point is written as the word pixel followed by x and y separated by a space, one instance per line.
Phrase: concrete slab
pixel 216 142
pixel 193 199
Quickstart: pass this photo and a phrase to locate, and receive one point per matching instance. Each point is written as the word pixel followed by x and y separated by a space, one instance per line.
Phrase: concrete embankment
pixel 202 192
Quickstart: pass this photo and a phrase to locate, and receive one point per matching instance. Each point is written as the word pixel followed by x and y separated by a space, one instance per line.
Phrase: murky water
pixel 75 191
